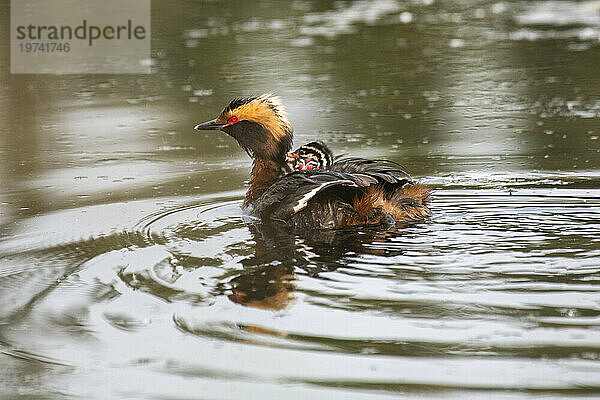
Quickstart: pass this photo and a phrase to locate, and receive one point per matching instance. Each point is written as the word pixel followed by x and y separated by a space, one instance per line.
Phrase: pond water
pixel 128 270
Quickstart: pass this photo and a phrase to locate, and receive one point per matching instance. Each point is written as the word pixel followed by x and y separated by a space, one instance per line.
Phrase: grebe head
pixel 259 124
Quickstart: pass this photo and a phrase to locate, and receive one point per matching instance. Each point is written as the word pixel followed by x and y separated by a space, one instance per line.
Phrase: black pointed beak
pixel 209 125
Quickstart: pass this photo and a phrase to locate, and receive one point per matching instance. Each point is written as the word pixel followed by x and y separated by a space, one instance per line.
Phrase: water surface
pixel 128 270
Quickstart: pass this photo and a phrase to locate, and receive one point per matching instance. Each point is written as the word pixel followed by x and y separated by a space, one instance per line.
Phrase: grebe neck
pixel 264 174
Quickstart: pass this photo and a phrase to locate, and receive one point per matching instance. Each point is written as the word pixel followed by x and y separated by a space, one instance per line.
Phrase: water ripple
pixel 507 281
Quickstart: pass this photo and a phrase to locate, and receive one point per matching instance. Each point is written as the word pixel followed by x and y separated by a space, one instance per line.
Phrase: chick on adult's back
pixel 347 192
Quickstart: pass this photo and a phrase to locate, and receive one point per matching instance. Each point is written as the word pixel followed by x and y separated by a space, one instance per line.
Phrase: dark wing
pixel 292 192
pixel 384 171
pixel 352 176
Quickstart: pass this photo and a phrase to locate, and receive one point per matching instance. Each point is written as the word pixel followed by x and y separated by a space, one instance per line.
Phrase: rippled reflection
pixel 457 287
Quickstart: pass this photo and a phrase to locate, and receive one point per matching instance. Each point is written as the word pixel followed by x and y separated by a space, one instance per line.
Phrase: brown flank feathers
pixel 406 204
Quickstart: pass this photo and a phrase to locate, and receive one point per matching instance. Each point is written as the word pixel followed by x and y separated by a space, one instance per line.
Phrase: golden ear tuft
pixel 267 110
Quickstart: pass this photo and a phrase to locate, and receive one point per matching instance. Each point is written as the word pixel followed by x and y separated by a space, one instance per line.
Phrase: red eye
pixel 233 119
